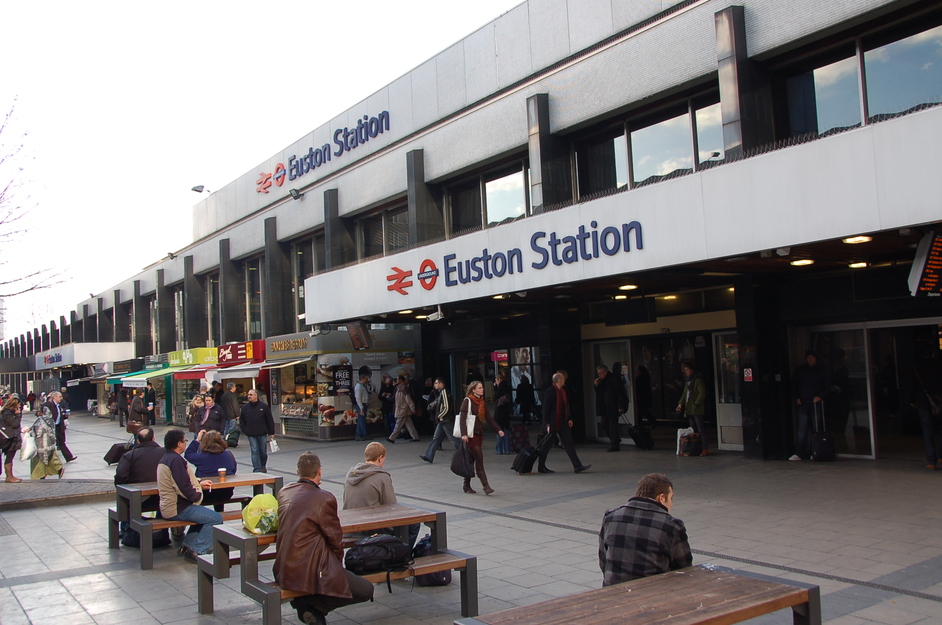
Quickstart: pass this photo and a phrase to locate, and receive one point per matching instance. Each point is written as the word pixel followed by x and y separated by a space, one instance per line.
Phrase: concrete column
pixel 166 319
pixel 426 218
pixel 232 298
pixel 105 322
pixel 45 338
pixel 122 319
pixel 65 331
pixel 78 326
pixel 141 334
pixel 277 304
pixel 745 95
pixel 339 233
pixel 196 325
pixel 550 168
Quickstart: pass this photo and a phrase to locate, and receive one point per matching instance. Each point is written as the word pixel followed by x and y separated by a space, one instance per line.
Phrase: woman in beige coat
pixel 405 408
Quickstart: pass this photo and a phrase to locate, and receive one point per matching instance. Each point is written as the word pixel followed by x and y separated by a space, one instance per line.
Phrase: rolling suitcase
pixel 114 454
pixel 640 435
pixel 822 443
pixel 232 438
pixel 525 460
pixel 519 438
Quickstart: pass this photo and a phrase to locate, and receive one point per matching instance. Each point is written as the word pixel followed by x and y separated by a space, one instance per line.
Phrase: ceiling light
pixel 498 297
pixel 621 297
pixel 731 289
pixel 405 312
pixel 802 262
pixel 858 265
pixel 669 297
pixel 628 287
pixel 859 239
pixel 421 316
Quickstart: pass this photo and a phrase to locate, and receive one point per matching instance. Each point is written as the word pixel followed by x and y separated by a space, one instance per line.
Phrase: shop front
pixel 242 364
pixel 95 387
pixel 312 379
pixel 189 371
pixel 77 362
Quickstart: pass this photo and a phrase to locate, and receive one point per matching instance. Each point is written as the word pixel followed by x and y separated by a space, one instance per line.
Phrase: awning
pixel 278 364
pixel 246 370
pixel 194 373
pixel 139 379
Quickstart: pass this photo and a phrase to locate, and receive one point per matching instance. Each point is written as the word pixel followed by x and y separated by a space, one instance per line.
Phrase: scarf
pixel 480 407
pixel 561 401
pixel 44 431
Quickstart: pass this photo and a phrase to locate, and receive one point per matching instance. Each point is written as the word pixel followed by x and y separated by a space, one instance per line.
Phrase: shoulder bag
pixel 468 417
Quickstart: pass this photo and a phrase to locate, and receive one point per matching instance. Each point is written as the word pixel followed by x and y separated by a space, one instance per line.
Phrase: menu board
pixel 924 277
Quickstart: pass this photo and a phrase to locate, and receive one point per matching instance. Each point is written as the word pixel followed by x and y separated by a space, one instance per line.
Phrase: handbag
pixel 461 463
pixel 28 450
pixel 133 427
pixel 469 419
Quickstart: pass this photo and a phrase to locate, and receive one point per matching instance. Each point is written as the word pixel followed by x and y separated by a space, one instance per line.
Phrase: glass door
pixel 728 380
pixel 613 355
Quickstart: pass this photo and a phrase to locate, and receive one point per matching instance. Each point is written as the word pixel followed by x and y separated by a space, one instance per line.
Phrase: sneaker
pixel 795 458
pixel 426 458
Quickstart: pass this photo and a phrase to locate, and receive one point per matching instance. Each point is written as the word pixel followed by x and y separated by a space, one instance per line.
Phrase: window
pixel 661 150
pixel 212 307
pixel 253 298
pixel 397 229
pixel 320 253
pixel 710 146
pixel 466 207
pixel 826 98
pixel 179 319
pixel 371 235
pixel 505 196
pixel 602 163
pixel 903 74
pixel 302 253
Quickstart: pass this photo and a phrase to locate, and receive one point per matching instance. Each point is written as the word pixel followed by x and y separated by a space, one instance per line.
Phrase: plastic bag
pixel 261 515
pixel 28 450
pixel 680 434
pixel 273 447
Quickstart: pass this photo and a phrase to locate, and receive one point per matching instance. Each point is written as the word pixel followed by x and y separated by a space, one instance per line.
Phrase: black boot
pixel 467 486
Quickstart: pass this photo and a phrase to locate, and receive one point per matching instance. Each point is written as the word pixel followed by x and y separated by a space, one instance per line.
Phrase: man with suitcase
pixel 810 385
pixel 556 420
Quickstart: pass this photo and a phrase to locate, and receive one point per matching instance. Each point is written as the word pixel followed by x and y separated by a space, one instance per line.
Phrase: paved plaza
pixel 868 532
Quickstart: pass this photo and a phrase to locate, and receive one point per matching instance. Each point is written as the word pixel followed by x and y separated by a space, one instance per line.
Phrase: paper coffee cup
pixel 222 475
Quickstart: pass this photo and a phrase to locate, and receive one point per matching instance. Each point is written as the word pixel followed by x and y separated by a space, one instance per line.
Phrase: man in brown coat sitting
pixel 310 552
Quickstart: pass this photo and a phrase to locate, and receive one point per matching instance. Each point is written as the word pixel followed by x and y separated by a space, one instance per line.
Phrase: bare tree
pixel 12 214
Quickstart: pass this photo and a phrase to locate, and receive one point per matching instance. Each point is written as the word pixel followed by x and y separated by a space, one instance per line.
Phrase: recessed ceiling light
pixel 802 262
pixel 421 316
pixel 858 265
pixel 858 239
pixel 621 297
pixel 669 297
pixel 405 312
pixel 731 289
pixel 628 287
pixel 499 297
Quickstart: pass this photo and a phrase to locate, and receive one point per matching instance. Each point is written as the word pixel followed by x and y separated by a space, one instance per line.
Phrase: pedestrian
pixel 810 385
pixel 556 421
pixel 211 416
pixel 193 413
pixel 122 406
pixel 644 397
pixel 181 494
pixel 404 410
pixel 258 425
pixel 387 398
pixel 138 411
pixel 607 404
pixel 641 538
pixel 11 417
pixel 361 401
pixel 46 462
pixel 440 411
pixel 150 403
pixel 524 393
pixel 693 402
pixel 474 414
pixel 30 399
pixel 503 405
pixel 60 417
pixel 230 408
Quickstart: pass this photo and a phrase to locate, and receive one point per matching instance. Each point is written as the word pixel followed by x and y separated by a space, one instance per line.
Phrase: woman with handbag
pixel 11 415
pixel 193 413
pixel 45 461
pixel 502 396
pixel 471 422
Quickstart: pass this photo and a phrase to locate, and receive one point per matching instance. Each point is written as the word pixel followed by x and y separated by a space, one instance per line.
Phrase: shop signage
pixel 287 345
pixel 195 356
pixel 127 366
pixel 52 359
pixel 240 352
pixel 345 139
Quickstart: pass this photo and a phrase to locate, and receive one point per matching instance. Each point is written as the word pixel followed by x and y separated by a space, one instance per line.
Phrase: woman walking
pixel 503 398
pixel 46 461
pixel 474 409
pixel 11 415
pixel 405 408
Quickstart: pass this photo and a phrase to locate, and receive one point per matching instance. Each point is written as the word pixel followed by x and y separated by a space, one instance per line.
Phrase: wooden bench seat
pixel 146 528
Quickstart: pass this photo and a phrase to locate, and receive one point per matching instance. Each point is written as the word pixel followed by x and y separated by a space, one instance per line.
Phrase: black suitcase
pixel 641 436
pixel 114 454
pixel 822 443
pixel 525 460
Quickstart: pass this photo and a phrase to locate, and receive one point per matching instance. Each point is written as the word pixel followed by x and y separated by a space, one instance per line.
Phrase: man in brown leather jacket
pixel 310 555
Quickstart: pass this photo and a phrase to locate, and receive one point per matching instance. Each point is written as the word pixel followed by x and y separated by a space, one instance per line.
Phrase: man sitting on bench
pixel 140 465
pixel 641 538
pixel 369 484
pixel 310 551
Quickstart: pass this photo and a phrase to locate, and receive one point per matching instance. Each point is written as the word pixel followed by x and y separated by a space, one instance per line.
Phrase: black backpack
pixel 441 578
pixel 379 552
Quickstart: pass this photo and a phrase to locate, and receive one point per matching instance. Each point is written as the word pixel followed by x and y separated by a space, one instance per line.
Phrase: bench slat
pixel 227 515
pixel 422 566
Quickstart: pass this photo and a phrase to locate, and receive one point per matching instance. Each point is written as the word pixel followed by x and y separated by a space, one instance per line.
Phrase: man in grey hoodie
pixel 369 484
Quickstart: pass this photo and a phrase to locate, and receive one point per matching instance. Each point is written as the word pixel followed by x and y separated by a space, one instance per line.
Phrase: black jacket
pixel 139 464
pixel 256 419
pixel 215 421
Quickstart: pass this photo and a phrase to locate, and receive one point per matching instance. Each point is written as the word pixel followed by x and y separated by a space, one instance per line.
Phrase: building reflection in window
pixel 397 230
pixel 904 74
pixel 825 99
pixel 710 134
pixel 662 150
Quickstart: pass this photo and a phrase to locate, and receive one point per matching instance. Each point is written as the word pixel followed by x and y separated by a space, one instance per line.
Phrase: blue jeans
pixel 930 435
pixel 503 443
pixel 259 448
pixel 805 419
pixel 200 537
pixel 441 431
pixel 361 425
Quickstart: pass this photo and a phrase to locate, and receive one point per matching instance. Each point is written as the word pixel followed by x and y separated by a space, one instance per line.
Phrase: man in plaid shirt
pixel 641 538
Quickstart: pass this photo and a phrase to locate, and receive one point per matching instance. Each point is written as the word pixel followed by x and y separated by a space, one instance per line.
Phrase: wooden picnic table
pixel 704 594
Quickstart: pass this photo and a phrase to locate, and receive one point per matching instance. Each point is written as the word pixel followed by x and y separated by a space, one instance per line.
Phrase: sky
pixel 122 107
